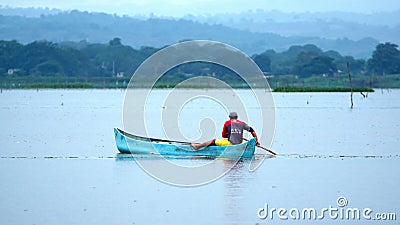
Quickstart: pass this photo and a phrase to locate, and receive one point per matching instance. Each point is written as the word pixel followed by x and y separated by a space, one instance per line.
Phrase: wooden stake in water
pixel 351 85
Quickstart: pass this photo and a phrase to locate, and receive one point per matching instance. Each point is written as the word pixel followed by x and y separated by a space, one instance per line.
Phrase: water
pixel 59 163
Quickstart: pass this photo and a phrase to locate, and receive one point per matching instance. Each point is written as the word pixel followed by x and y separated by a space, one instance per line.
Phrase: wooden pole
pixel 262 147
pixel 351 85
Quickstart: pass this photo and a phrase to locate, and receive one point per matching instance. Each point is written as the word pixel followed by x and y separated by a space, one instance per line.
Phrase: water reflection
pixel 235 184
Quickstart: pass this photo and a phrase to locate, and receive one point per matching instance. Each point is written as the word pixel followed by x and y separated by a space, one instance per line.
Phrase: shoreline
pixel 276 90
pixel 282 83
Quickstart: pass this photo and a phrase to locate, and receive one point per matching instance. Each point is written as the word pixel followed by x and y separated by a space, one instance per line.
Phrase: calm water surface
pixel 59 163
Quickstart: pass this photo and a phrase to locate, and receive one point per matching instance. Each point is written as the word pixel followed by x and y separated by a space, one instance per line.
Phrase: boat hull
pixel 132 144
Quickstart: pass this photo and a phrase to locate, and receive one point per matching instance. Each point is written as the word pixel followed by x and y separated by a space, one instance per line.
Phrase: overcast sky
pixel 182 7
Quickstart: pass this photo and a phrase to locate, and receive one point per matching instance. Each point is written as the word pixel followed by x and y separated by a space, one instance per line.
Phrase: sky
pixel 178 8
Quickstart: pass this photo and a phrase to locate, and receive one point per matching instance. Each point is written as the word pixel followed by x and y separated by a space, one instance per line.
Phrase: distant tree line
pixel 82 59
pixel 45 58
pixel 308 60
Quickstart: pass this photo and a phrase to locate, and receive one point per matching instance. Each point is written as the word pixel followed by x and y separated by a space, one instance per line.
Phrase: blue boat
pixel 132 144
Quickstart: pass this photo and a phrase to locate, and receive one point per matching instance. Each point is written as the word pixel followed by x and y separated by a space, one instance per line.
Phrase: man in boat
pixel 232 132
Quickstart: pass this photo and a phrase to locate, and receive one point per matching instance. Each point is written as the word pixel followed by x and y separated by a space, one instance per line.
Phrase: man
pixel 232 132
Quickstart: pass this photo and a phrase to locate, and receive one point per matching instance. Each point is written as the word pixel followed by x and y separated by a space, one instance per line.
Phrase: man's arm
pixel 251 130
pixel 255 136
pixel 225 131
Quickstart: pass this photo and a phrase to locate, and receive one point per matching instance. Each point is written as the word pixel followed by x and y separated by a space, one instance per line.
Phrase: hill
pixel 100 27
pixel 383 26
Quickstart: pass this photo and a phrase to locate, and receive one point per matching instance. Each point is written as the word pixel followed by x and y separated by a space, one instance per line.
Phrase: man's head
pixel 233 115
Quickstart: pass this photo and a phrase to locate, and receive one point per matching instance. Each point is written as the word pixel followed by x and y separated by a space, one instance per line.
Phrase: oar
pixel 262 147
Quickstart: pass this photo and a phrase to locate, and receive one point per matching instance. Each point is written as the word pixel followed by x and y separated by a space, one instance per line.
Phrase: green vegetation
pixel 385 59
pixel 58 86
pixel 309 89
pixel 35 82
pixel 308 60
pixel 43 64
pixel 359 81
pixel 47 59
pixel 279 83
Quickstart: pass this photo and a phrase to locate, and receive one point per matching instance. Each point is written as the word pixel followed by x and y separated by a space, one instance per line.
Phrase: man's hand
pixel 255 136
